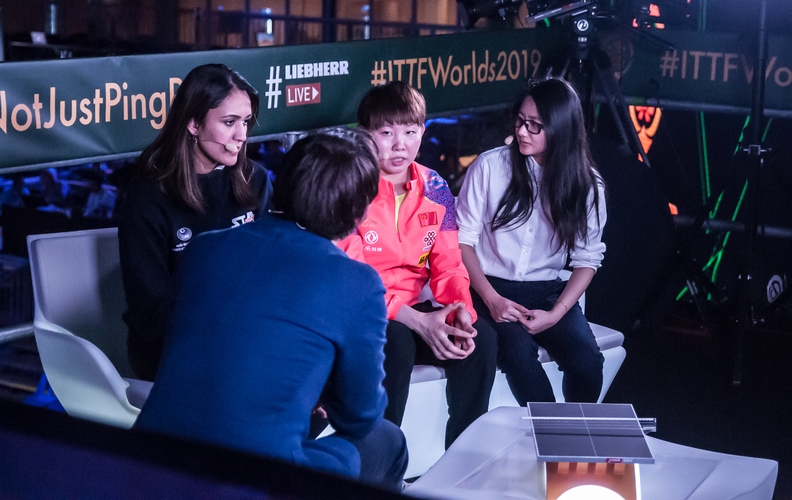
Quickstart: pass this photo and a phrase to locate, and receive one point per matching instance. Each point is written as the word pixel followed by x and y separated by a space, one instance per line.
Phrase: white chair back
pixel 77 286
pixel 77 322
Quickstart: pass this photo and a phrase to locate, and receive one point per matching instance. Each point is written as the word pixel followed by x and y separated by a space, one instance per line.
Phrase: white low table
pixel 495 458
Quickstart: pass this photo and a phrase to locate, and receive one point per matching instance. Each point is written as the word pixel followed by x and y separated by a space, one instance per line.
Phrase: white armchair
pixel 81 338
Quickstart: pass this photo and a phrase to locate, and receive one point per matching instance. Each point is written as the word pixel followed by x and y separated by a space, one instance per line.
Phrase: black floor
pixel 20 368
pixel 678 372
pixel 682 374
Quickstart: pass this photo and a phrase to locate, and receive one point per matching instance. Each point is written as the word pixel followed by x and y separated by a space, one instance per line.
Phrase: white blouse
pixel 527 252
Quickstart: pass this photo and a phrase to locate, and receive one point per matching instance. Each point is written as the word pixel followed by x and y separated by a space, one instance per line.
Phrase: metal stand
pixel 591 75
pixel 746 319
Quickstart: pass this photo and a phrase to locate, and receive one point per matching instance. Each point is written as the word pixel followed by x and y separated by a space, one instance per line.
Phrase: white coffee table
pixel 495 458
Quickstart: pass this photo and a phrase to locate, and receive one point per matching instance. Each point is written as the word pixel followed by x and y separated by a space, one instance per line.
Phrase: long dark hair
pixel 170 159
pixel 568 172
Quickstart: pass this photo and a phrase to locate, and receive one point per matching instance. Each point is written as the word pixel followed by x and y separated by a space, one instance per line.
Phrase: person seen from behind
pixel 272 319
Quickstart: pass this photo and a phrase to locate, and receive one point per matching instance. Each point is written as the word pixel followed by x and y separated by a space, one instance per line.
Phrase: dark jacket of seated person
pixel 194 177
pixel 269 317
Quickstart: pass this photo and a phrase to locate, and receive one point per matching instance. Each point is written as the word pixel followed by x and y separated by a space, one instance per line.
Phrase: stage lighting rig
pixel 628 13
pixel 539 10
pixel 492 9
pixel 584 16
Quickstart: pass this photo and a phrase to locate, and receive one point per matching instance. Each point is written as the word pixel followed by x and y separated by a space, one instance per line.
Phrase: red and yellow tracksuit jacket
pixel 423 248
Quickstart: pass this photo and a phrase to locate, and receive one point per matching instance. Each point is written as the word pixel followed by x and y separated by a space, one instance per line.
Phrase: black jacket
pixel 153 230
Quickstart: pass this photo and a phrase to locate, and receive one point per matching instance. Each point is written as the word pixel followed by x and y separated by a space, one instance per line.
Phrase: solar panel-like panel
pixel 588 432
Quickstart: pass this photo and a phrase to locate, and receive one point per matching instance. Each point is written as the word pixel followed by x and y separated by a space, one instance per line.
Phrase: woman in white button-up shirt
pixel 525 211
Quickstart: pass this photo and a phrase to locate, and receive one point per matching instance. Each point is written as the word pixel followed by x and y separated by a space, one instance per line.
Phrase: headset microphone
pixel 230 147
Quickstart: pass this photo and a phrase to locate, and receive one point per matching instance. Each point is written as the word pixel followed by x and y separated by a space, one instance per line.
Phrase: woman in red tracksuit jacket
pixel 409 236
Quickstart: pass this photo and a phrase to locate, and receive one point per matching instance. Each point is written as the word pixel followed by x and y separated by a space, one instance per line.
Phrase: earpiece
pixel 508 140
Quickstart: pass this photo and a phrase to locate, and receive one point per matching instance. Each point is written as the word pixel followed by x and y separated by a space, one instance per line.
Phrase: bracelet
pixel 563 304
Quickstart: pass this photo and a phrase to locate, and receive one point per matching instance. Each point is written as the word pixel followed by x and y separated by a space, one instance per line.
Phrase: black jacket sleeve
pixel 143 234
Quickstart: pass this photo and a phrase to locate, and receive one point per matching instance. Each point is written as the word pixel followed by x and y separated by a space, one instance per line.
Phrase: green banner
pixel 78 109
pixel 708 70
pixel 71 111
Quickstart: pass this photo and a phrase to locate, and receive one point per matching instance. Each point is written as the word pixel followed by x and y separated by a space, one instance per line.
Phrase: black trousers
pixel 570 343
pixel 469 380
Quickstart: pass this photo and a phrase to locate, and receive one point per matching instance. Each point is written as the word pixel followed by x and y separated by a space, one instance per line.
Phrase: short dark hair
pixel 327 182
pixel 169 159
pixel 394 102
